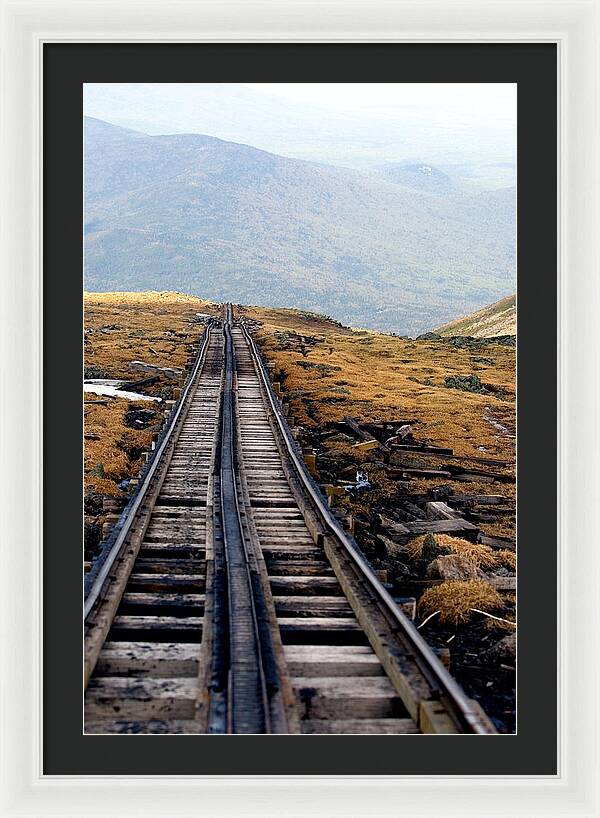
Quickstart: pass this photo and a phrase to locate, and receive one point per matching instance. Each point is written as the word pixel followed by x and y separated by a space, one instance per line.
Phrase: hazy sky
pixel 357 124
pixel 467 102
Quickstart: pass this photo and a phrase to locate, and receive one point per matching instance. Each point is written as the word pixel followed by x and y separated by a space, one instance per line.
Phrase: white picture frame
pixel 574 26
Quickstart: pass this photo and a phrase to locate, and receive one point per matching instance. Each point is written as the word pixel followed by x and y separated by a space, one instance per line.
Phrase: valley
pixel 400 250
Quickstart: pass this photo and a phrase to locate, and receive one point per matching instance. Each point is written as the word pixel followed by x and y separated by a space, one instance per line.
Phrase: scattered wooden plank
pixel 389 424
pixel 470 477
pixel 456 527
pixel 168 372
pixel 412 472
pixel 458 473
pixel 392 525
pixel 448 454
pixel 478 499
pixel 441 526
pixel 368 445
pixel 419 448
pixel 498 542
pixel 362 433
pixel 438 510
pixel 134 386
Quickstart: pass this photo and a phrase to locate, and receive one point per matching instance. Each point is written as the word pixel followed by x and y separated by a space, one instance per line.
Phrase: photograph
pixel 299 408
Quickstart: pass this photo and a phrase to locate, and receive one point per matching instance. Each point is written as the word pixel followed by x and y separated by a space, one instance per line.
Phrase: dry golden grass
pixel 378 371
pixel 155 327
pixel 455 600
pixel 135 323
pixel 111 458
pixel 330 371
pixel 480 555
pixel 507 559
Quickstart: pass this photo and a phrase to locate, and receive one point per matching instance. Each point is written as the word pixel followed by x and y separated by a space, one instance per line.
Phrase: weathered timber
pixel 418 448
pixel 379 727
pixel 367 437
pixel 440 511
pixel 478 499
pixel 456 527
pixel 162 660
pixel 135 385
pixel 409 471
pixel 166 371
pixel 332 660
pixel 448 454
pixel 141 698
pixel 337 696
pixel 498 542
pixel 460 473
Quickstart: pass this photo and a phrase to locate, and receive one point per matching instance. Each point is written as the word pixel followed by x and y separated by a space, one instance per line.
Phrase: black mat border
pixel 533 750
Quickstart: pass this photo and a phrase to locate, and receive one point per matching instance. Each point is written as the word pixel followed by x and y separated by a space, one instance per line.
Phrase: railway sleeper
pixel 155 604
pixel 156 629
pixel 359 726
pixel 141 698
pixel 154 727
pixel 169 566
pixel 159 660
pixel 153 582
pixel 335 697
pixel 332 660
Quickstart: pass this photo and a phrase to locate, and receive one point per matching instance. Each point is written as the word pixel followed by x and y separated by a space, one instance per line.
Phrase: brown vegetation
pixel 120 327
pixel 456 599
pixel 479 555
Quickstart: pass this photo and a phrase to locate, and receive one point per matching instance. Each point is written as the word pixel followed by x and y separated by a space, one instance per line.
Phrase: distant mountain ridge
pixel 197 214
pixel 497 319
pixel 420 176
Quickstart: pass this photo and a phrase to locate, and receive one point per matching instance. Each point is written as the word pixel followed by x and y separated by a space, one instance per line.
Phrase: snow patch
pixel 110 390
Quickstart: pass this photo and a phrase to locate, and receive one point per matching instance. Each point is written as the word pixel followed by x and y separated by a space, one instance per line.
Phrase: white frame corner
pixel 25 26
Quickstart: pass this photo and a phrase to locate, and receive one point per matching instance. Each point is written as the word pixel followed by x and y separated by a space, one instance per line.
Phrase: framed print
pixel 325 506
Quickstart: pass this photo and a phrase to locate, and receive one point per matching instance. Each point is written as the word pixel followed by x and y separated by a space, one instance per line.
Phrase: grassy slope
pixel 335 372
pixel 370 375
pixel 373 376
pixel 499 318
pixel 132 323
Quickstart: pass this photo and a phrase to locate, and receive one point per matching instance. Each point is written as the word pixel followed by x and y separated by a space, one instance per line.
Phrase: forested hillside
pixel 200 215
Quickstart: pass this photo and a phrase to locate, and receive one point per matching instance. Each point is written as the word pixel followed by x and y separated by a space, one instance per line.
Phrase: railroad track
pixel 231 601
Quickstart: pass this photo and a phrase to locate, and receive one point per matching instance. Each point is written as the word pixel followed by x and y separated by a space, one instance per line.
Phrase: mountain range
pixel 227 221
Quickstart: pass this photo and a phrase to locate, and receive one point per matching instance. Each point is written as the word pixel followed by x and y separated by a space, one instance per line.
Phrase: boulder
pixel 453 566
pixel 503 652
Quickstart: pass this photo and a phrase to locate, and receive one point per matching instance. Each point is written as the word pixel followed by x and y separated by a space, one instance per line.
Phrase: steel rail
pixel 249 705
pixel 438 677
pixel 98 584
